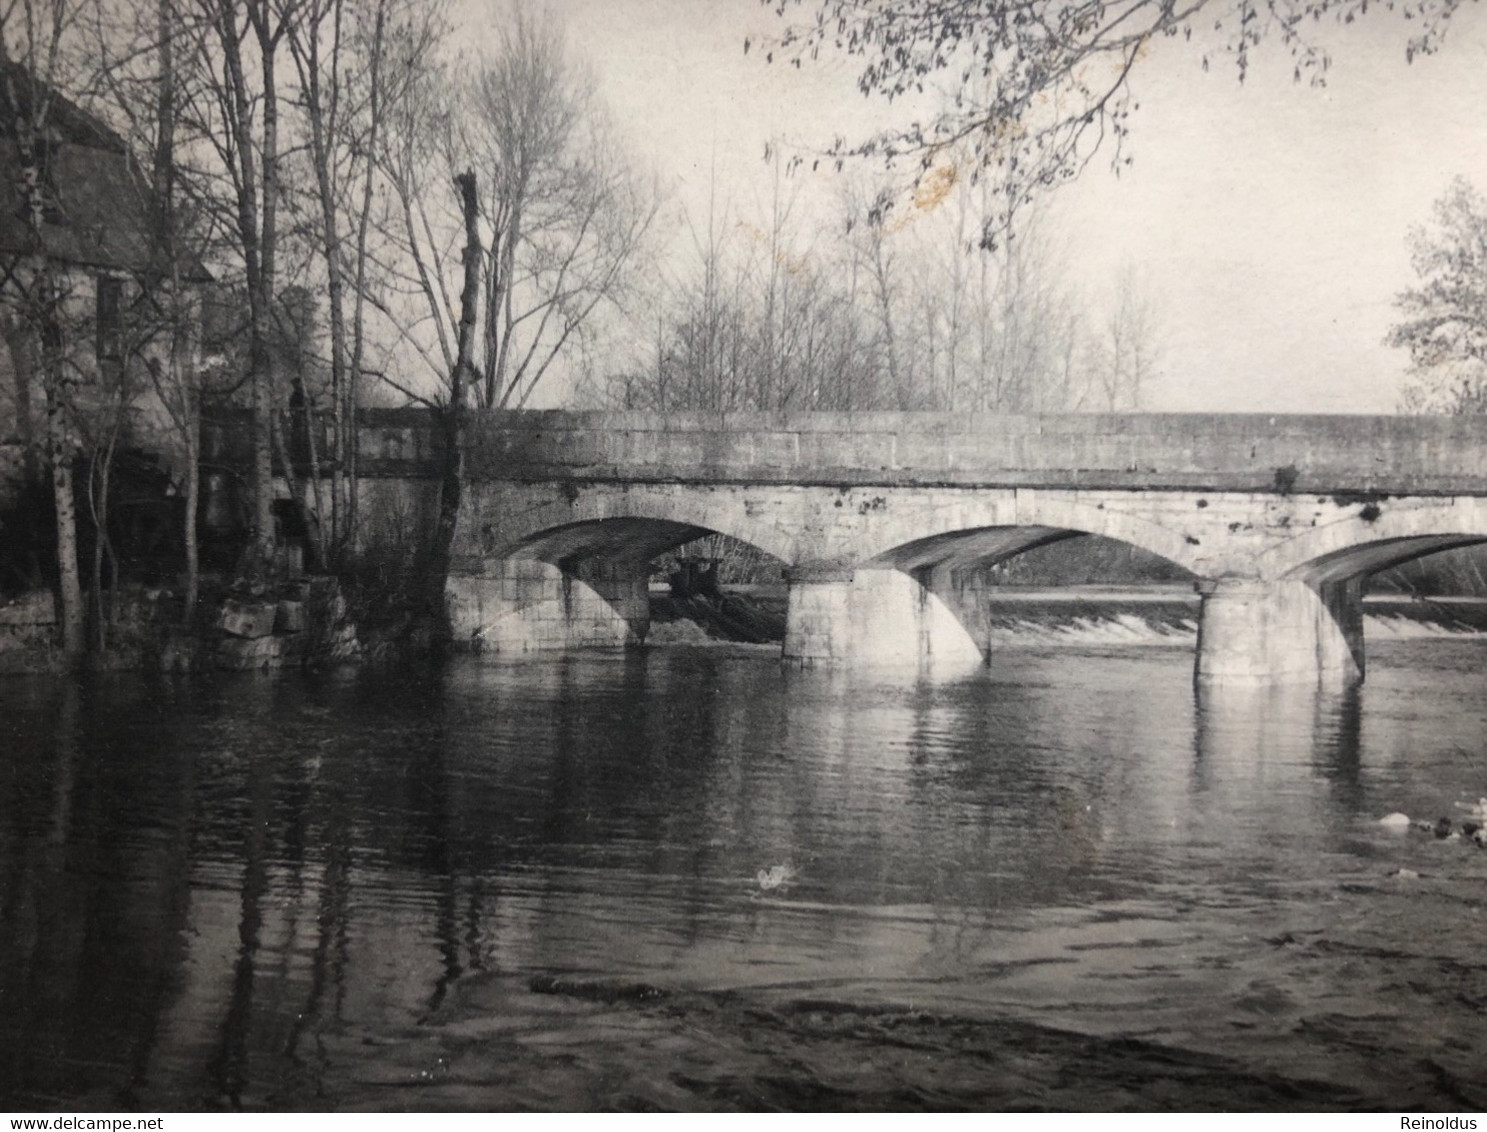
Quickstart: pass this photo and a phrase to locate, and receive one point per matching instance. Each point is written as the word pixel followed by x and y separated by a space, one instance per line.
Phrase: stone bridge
pixel 881 519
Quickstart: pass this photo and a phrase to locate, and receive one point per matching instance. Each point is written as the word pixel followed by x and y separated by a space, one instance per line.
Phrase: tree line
pixel 849 307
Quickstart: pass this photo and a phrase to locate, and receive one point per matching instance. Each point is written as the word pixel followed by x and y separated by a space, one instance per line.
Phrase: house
pixel 96 203
pixel 96 236
pixel 96 231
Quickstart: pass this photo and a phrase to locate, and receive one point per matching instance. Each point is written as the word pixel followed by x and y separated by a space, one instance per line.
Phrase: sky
pixel 1267 221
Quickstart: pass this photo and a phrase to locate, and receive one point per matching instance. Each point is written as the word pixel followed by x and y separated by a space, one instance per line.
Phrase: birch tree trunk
pixel 41 311
pixel 59 450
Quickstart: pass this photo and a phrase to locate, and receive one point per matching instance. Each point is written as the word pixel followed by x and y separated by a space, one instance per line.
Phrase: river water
pixel 687 878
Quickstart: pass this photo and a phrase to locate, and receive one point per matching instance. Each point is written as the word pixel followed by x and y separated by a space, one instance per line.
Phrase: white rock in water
pixel 1478 810
pixel 1396 820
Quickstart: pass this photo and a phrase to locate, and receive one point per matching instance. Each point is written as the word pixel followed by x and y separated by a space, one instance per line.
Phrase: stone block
pixel 1281 631
pixel 242 654
pixel 21 638
pixel 247 619
pixel 290 617
pixel 323 598
pixel 775 450
pixel 874 618
pixel 34 607
pixel 526 568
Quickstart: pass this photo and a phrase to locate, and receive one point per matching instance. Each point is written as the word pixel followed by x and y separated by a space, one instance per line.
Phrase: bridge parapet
pixel 1280 454
pixel 391 443
pixel 1154 451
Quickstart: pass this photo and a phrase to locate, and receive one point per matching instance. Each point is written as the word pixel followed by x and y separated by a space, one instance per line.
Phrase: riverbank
pixel 295 623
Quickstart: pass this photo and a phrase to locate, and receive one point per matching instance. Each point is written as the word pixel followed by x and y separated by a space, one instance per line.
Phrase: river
pixel 686 878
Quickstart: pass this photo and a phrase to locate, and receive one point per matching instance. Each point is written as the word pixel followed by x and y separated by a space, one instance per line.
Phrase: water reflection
pixel 262 893
pixel 1258 748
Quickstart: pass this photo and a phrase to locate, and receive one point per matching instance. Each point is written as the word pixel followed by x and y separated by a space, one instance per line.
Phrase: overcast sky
pixel 1268 220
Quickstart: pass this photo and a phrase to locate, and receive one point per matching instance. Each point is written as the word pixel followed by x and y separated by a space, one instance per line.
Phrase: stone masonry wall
pixel 1279 453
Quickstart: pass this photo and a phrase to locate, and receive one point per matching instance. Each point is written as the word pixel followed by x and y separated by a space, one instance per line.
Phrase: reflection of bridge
pixel 877 518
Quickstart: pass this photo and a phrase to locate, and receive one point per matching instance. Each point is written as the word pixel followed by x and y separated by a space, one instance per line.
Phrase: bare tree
pixel 966 326
pixel 874 271
pixel 141 86
pixel 451 478
pixel 772 315
pixel 32 65
pixel 283 106
pixel 233 109
pixel 563 213
pixel 907 311
pixel 356 61
pixel 1129 358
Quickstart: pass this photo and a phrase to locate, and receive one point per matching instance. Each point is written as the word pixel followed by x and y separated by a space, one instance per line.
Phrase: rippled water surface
pixel 687 878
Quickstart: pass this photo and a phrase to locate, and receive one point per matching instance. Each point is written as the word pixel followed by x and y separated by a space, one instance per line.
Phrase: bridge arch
pixel 1008 527
pixel 1297 613
pixel 1376 536
pixel 907 592
pixel 635 519
pixel 568 567
pixel 613 539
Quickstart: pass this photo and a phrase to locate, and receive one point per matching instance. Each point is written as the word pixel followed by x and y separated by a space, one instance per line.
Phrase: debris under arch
pixel 749 618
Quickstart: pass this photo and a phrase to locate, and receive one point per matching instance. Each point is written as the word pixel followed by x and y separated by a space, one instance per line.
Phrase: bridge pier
pixel 840 616
pixel 1287 631
pixel 531 605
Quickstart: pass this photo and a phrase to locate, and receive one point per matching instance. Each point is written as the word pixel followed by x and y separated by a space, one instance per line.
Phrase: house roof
pixel 65 119
pixel 97 212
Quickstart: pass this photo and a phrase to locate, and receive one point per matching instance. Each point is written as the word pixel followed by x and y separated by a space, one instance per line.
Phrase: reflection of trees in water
pixel 162 984
pixel 43 921
pixel 95 896
pixel 633 742
pixel 331 798
pixel 438 862
pixel 228 1068
pixel 410 811
pixel 318 801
